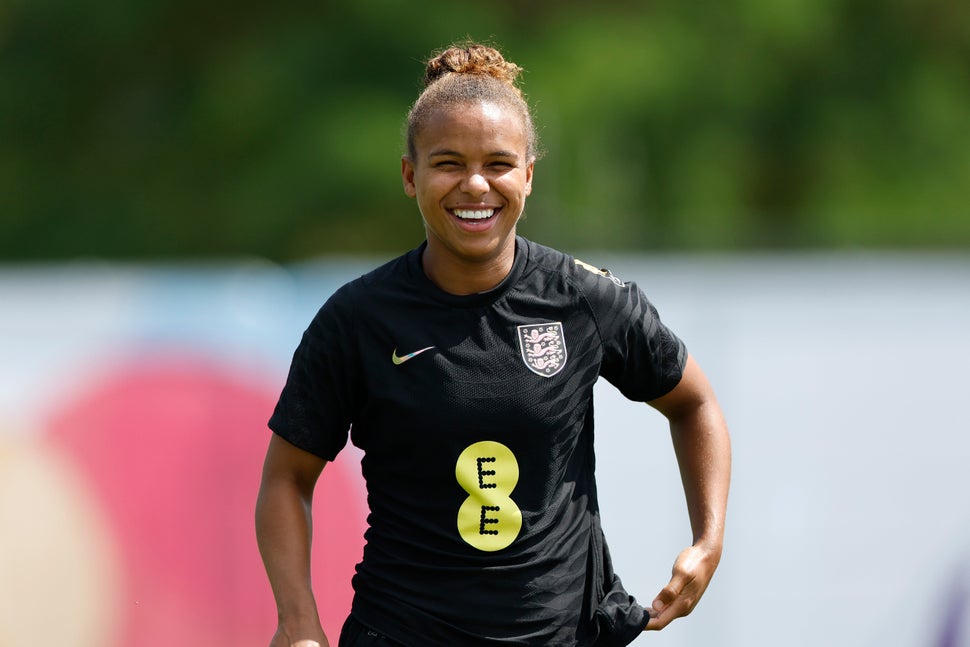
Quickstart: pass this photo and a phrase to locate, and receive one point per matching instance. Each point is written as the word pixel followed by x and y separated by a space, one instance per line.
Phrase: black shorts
pixel 354 634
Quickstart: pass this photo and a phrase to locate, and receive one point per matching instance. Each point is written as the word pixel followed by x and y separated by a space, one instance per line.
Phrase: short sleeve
pixel 316 407
pixel 642 357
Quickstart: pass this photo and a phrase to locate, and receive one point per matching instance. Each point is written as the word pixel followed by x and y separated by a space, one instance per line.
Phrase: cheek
pixel 520 187
pixel 426 205
pixel 431 191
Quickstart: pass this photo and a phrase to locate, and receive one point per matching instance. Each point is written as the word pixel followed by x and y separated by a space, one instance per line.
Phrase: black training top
pixel 475 414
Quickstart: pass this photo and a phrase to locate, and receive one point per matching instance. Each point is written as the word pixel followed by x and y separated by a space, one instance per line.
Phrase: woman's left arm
pixel 703 448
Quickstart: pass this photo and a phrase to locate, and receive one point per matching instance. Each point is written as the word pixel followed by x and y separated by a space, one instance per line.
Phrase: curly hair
pixel 470 73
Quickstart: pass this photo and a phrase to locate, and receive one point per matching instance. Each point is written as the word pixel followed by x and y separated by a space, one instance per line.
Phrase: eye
pixel 446 164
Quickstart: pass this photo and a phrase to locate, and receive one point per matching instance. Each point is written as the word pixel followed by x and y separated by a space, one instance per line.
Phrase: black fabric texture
pixel 496 389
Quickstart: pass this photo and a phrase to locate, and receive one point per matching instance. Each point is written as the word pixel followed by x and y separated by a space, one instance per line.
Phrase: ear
pixel 528 177
pixel 407 176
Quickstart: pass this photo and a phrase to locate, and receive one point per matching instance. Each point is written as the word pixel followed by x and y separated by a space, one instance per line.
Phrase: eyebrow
pixel 444 152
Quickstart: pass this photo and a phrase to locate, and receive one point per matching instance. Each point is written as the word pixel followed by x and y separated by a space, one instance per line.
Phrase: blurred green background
pixel 175 130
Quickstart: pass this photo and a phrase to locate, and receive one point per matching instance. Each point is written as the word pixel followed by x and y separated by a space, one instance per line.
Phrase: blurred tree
pixel 172 130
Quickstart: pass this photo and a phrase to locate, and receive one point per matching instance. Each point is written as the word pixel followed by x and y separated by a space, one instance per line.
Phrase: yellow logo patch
pixel 488 519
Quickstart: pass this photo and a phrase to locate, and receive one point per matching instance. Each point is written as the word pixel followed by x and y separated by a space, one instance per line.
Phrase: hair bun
pixel 480 60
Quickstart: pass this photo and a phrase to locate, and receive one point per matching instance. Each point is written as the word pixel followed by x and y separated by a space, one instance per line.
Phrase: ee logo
pixel 488 519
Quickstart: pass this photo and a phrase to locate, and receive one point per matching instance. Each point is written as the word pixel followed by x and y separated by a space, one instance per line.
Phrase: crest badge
pixel 543 348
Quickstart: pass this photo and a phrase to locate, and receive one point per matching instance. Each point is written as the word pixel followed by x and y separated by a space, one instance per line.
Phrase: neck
pixel 462 277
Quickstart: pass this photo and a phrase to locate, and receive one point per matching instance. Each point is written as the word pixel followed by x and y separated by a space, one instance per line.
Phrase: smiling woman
pixel 471 151
pixel 470 173
pixel 465 369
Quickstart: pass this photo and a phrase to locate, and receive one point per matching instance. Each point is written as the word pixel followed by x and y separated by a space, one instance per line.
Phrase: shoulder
pixel 584 276
pixel 388 278
pixel 396 270
pixel 359 298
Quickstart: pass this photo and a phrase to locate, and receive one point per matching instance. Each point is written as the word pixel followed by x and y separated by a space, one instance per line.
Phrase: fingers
pixel 682 593
pixel 674 601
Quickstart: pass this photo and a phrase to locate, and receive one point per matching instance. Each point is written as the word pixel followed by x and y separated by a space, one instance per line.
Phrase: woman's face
pixel 470 176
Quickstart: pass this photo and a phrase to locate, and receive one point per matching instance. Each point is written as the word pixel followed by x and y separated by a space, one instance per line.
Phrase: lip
pixel 475 225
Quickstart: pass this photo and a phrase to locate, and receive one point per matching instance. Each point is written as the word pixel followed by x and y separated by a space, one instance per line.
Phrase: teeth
pixel 478 214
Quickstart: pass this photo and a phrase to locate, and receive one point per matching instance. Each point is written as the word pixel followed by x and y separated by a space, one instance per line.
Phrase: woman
pixel 464 369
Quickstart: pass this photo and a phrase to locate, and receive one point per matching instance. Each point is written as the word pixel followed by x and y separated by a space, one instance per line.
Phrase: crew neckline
pixel 466 300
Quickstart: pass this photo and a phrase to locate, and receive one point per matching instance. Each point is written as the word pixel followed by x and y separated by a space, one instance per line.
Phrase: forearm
pixel 703 449
pixel 283 532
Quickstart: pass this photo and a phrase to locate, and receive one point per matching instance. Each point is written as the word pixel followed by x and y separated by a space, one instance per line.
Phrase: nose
pixel 475 184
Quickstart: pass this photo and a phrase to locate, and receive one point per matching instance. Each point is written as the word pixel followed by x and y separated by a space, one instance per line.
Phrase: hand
pixel 283 639
pixel 692 572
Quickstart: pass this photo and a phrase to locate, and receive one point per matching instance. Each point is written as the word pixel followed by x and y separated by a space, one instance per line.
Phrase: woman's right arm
pixel 283 532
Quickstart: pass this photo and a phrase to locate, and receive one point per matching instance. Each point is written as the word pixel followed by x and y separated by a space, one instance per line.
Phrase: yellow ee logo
pixel 488 519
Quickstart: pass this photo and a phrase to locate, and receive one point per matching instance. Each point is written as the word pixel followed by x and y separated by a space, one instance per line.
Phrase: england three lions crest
pixel 543 348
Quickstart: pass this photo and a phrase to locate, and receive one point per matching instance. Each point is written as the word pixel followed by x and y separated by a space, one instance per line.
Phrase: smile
pixel 474 214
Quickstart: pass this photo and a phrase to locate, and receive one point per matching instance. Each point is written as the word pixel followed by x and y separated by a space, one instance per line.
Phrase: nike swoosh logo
pixel 399 359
